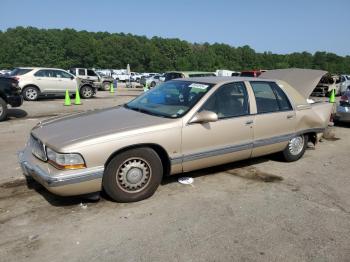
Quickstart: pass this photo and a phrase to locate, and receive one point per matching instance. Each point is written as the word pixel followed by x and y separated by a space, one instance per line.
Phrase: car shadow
pixel 16 113
pixel 59 201
pixel 225 168
pixel 230 168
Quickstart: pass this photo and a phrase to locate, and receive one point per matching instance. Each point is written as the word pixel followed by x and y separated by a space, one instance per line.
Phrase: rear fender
pixel 315 116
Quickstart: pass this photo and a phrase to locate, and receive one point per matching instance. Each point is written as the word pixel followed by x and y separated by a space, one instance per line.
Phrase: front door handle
pixel 290 116
pixel 249 122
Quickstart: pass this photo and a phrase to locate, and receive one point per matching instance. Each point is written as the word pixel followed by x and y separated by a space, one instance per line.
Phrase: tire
pixel 295 149
pixel 133 175
pixel 30 93
pixel 86 92
pixel 106 86
pixel 3 110
pixel 153 84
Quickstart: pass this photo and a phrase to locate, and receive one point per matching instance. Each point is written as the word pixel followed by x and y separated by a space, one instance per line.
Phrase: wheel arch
pixel 31 85
pixel 311 137
pixel 3 96
pixel 162 153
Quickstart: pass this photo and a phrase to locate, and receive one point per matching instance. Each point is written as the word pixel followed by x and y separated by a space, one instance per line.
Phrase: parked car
pixel 10 94
pixel 150 81
pixel 37 81
pixel 343 108
pixel 327 84
pixel 102 82
pixel 182 74
pixel 344 83
pixel 178 126
pixel 251 73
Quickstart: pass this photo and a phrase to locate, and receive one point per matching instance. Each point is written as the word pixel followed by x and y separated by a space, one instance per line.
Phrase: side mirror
pixel 204 117
pixel 72 77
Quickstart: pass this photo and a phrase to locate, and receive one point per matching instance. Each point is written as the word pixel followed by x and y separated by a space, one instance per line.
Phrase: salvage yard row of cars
pixel 181 125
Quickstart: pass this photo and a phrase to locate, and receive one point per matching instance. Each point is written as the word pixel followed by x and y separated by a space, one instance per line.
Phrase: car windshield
pixel 20 71
pixel 171 99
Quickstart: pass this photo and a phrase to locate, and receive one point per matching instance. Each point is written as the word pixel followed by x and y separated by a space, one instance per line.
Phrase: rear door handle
pixel 249 122
pixel 290 116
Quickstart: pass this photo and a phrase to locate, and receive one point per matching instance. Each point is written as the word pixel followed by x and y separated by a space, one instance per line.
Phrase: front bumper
pixel 342 114
pixel 61 182
pixel 15 100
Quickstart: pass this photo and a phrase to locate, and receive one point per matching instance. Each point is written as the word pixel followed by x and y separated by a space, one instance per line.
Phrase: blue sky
pixel 279 26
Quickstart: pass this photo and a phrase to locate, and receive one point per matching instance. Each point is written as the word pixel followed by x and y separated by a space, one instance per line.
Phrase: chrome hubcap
pixel 133 175
pixel 31 93
pixel 296 145
pixel 87 92
pixel 1 110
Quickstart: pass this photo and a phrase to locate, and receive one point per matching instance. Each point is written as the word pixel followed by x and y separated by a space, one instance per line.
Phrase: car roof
pixel 221 79
pixel 190 72
pixel 48 68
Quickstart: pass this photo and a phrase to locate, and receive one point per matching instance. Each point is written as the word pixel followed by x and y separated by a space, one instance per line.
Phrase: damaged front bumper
pixel 61 182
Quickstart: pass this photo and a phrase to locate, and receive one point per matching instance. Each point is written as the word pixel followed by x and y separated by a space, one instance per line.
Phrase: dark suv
pixel 10 94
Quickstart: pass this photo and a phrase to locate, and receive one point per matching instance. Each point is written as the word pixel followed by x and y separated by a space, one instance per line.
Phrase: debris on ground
pixel 185 180
pixel 83 206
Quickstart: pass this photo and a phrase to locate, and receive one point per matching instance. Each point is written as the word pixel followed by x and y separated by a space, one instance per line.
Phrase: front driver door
pixel 226 140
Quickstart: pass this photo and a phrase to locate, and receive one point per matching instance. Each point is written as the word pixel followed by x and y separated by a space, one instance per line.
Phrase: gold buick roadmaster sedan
pixel 179 126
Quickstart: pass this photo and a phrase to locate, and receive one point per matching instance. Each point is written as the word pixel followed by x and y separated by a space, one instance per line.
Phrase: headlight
pixel 65 161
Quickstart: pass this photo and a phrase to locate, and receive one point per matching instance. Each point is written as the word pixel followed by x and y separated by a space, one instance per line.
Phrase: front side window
pixel 171 99
pixel 270 97
pixel 230 100
pixel 91 72
pixel 61 74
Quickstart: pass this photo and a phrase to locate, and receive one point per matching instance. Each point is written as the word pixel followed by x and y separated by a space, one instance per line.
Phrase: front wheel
pixel 86 92
pixel 133 175
pixel 295 149
pixel 106 86
pixel 3 109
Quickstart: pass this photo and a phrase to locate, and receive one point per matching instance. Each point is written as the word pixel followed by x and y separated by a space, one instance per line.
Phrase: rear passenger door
pixel 45 80
pixel 274 123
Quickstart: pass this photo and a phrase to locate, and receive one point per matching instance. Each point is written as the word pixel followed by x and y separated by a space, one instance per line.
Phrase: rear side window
pixel 81 72
pixel 43 73
pixel 270 97
pixel 20 71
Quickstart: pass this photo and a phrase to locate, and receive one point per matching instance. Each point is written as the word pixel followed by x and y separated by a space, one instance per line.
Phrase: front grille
pixel 38 148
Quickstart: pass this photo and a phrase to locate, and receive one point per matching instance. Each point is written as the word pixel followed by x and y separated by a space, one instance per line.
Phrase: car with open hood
pixel 179 126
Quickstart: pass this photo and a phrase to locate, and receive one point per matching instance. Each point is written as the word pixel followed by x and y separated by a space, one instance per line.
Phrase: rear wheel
pixel 30 93
pixel 86 92
pixel 153 84
pixel 3 109
pixel 295 149
pixel 133 175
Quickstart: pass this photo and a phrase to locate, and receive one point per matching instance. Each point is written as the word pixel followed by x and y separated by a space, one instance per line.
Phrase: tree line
pixel 66 48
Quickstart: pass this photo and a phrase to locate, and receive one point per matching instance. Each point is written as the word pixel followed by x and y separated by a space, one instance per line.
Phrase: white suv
pixel 36 81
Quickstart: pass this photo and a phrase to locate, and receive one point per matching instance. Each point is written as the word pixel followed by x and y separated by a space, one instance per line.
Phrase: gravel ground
pixel 255 210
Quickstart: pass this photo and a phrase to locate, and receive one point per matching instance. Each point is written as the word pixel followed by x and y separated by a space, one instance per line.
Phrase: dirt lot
pixel 256 210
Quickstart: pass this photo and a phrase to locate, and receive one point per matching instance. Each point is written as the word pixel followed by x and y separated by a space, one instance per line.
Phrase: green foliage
pixel 70 48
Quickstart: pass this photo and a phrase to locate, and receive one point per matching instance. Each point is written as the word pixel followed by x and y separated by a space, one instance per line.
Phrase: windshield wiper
pixel 145 111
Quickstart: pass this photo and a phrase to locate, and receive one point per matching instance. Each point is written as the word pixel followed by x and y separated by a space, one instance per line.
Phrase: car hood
pixel 64 131
pixel 303 80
